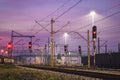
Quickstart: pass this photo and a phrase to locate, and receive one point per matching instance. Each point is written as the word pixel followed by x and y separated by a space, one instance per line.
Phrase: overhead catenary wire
pixel 97 21
pixel 104 11
pixel 42 26
pixel 62 27
pixel 63 13
pixel 104 18
pixel 108 16
pixel 68 9
pixel 115 6
pixel 79 35
pixel 50 15
pixel 111 27
pixel 55 10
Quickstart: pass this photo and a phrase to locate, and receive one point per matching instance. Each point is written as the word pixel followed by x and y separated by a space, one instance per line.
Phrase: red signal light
pixel 9 46
pixel 94 32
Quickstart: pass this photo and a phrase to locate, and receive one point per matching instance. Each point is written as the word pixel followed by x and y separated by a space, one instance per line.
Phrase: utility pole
pixel 105 48
pixel 98 45
pixel 52 43
pixel 118 47
pixel 48 62
pixel 30 49
pixel 94 52
pixel 88 49
pixel 45 55
pixel 11 52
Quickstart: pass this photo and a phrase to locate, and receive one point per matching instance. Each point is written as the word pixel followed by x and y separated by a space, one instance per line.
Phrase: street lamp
pixel 66 46
pixel 65 35
pixel 92 13
pixel 6 52
pixel 2 59
pixel 2 51
pixel 69 58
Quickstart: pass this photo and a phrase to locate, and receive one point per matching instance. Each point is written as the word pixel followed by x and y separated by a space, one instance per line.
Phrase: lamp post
pixel 65 35
pixel 6 53
pixel 2 51
pixel 66 46
pixel 92 13
pixel 69 58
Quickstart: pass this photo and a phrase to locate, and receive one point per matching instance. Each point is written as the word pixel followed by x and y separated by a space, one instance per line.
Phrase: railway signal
pixel 65 48
pixel 9 45
pixel 30 45
pixel 79 49
pixel 94 32
pixel 94 36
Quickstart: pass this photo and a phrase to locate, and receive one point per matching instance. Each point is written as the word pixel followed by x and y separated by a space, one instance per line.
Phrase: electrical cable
pixel 65 12
pixel 62 27
pixel 52 14
pixel 97 21
pixel 56 10
pixel 111 27
pixel 102 18
pixel 42 26
pixel 68 10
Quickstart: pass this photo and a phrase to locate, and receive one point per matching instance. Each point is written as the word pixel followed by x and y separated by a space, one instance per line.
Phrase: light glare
pixel 92 13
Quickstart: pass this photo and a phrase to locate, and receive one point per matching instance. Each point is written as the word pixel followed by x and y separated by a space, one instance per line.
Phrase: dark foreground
pixel 11 72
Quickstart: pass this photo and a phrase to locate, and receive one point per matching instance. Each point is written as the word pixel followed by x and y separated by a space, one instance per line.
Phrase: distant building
pixel 71 58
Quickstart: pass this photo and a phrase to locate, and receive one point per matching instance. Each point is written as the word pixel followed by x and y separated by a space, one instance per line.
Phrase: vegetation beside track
pixel 101 74
pixel 11 72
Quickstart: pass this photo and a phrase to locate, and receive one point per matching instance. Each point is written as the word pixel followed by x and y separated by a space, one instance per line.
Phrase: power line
pixel 115 6
pixel 42 29
pixel 42 26
pixel 64 12
pixel 111 8
pixel 68 9
pixel 107 17
pixel 102 12
pixel 50 15
pixel 80 35
pixel 56 10
pixel 111 27
pixel 62 27
pixel 98 20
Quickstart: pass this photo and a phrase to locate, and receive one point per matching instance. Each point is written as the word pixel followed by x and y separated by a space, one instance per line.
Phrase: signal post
pixel 94 36
pixel 9 47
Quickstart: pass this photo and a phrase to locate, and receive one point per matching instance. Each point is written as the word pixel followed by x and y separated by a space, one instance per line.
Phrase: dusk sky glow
pixel 20 16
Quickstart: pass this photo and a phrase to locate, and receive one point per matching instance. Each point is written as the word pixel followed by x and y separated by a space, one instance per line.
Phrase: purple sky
pixel 19 15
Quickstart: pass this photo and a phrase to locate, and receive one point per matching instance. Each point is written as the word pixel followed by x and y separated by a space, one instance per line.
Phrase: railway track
pixel 87 73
